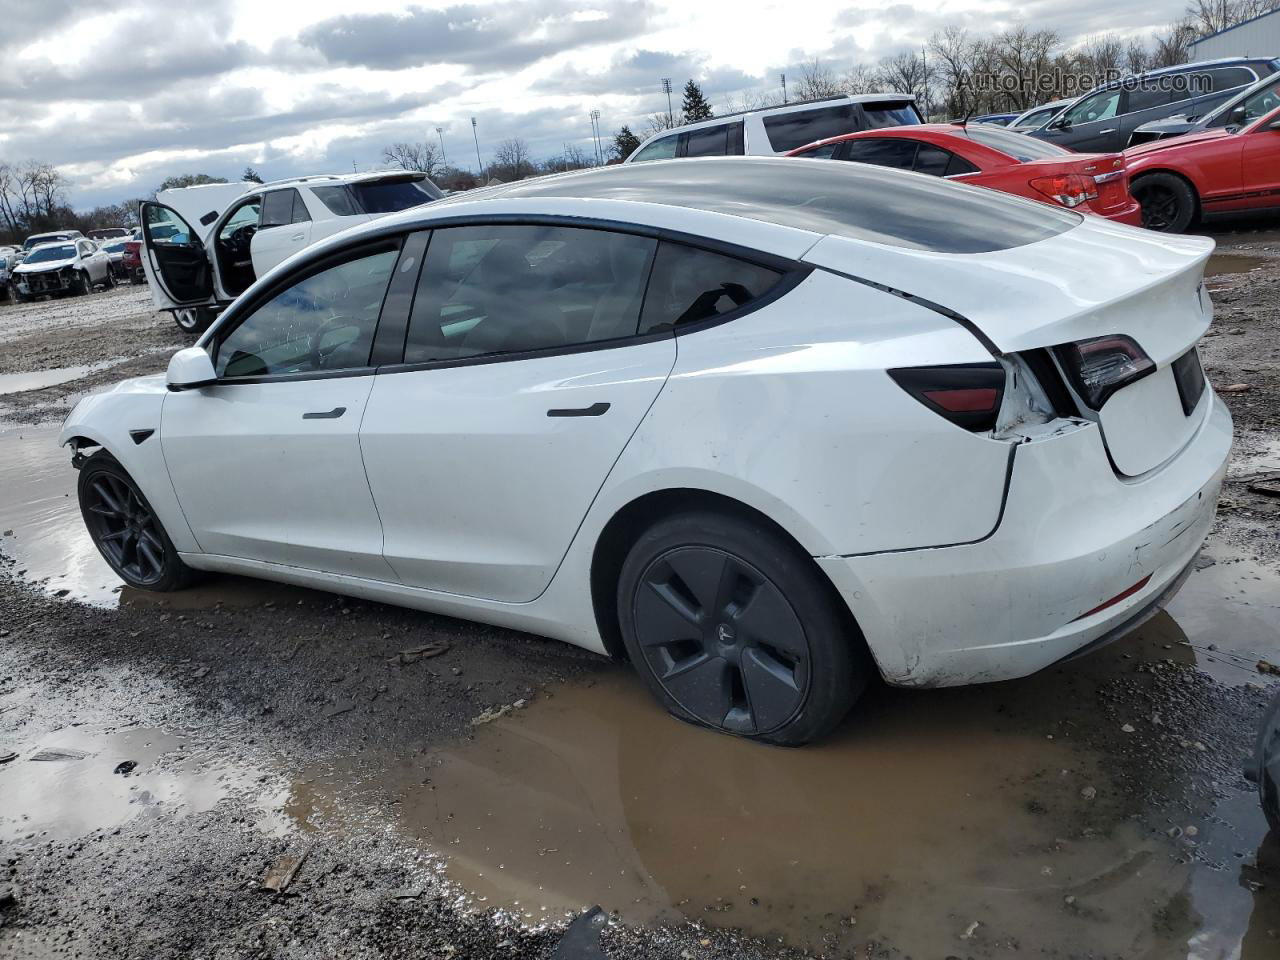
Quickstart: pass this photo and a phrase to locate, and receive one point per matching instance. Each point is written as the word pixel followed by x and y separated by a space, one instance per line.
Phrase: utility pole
pixel 784 88
pixel 353 167
pixel 924 79
pixel 595 132
pixel 475 136
pixel 444 161
pixel 666 85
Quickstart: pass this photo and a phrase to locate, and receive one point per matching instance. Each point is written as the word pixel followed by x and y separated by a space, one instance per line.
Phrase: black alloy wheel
pixel 733 627
pixel 126 530
pixel 722 640
pixel 1168 203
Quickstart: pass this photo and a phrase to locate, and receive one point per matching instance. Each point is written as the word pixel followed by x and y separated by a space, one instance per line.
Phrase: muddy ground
pixel 455 790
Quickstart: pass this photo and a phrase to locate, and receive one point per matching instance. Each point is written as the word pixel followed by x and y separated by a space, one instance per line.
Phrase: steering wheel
pixel 319 354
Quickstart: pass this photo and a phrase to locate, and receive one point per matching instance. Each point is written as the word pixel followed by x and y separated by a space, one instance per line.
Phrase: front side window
pixel 663 149
pixel 898 154
pixel 786 131
pixel 689 285
pixel 324 322
pixel 513 288
pixel 1102 105
pixel 244 217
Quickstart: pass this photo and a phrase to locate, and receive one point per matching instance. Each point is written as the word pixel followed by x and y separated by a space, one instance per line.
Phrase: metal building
pixel 1259 37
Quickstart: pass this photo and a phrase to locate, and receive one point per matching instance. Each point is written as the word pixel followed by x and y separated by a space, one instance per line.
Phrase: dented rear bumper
pixel 1073 536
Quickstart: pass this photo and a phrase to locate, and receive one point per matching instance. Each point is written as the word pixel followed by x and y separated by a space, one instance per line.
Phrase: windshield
pixel 1015 144
pixel 393 196
pixel 116 247
pixel 1242 112
pixel 46 254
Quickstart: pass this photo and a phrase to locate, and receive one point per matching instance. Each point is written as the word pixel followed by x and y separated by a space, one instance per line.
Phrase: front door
pixel 524 380
pixel 175 260
pixel 1260 161
pixel 1090 125
pixel 266 462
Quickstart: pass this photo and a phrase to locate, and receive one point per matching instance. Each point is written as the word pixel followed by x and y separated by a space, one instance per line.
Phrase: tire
pixel 193 319
pixel 732 627
pixel 126 530
pixel 108 281
pixel 17 297
pixel 1168 202
pixel 83 286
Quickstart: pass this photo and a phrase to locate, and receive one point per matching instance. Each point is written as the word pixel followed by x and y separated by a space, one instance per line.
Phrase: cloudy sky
pixel 122 94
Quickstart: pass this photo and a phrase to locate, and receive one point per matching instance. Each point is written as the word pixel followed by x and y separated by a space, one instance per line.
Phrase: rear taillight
pixel 1068 189
pixel 1101 366
pixel 968 395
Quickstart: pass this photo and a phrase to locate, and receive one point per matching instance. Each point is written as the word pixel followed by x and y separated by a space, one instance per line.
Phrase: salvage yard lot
pixel 459 790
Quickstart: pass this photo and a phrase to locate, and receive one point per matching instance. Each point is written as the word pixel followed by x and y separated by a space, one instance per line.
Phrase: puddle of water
pixel 1222 264
pixel 18 382
pixel 926 814
pixel 81 793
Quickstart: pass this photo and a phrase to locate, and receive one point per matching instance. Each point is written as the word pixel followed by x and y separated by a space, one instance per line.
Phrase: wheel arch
pixel 626 525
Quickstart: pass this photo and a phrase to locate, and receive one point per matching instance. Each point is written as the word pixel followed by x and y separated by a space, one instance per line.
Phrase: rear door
pixel 284 228
pixel 522 380
pixel 178 266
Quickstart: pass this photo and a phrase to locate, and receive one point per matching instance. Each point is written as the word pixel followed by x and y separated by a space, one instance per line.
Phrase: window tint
pixel 708 142
pixel 505 288
pixel 337 200
pixel 1097 106
pixel 737 140
pixel 1017 145
pixel 932 160
pixel 889 115
pixel 826 152
pixel 383 196
pixel 1228 78
pixel 786 131
pixel 899 154
pixel 300 214
pixel 277 208
pixel 1148 94
pixel 324 322
pixel 663 149
pixel 689 285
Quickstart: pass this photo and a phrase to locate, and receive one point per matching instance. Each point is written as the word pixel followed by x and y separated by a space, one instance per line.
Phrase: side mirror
pixel 1058 123
pixel 190 368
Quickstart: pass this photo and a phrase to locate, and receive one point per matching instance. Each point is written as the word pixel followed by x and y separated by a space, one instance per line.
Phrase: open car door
pixel 177 263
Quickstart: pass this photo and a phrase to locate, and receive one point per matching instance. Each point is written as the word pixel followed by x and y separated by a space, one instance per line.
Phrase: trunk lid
pixel 1098 279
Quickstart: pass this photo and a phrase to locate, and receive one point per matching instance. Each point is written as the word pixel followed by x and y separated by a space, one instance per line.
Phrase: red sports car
pixel 991 156
pixel 1219 171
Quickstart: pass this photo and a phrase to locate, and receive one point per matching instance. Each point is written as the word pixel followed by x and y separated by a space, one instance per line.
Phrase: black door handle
pixel 333 414
pixel 595 410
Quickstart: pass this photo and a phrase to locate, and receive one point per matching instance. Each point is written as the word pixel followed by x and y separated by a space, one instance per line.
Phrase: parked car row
pixel 59 268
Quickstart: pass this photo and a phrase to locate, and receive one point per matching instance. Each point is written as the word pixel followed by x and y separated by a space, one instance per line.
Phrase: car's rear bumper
pixel 1073 536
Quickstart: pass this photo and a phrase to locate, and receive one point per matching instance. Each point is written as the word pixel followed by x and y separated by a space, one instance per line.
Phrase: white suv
pixel 196 270
pixel 777 130
pixel 62 267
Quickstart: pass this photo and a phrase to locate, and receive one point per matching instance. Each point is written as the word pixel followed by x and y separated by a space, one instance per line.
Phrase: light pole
pixel 784 88
pixel 444 161
pixel 595 131
pixel 476 137
pixel 666 85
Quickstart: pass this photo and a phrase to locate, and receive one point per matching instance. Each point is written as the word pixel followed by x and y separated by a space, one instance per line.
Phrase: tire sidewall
pixel 838 668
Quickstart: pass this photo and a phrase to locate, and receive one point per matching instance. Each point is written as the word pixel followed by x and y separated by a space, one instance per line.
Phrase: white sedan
pixel 764 428
pixel 62 267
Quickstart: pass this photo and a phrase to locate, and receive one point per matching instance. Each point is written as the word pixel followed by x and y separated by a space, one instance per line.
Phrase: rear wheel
pixel 193 319
pixel 1168 202
pixel 732 627
pixel 126 530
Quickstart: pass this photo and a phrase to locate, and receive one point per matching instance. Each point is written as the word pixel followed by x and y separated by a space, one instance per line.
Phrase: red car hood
pixel 1158 146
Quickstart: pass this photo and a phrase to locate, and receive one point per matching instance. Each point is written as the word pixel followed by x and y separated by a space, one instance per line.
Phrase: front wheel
pixel 1168 202
pixel 108 281
pixel 193 319
pixel 81 286
pixel 734 628
pixel 126 530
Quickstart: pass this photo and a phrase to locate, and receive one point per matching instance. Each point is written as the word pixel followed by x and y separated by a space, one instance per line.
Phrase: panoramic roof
pixel 822 196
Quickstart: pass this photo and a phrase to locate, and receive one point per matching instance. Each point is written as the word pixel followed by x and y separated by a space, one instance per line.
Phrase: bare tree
pixel 745 101
pixel 1210 16
pixel 421 157
pixel 572 157
pixel 511 160
pixel 861 78
pixel 1173 44
pixel 656 123
pixel 907 72
pixel 817 81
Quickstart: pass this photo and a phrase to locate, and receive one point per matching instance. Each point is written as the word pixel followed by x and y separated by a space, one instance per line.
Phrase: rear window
pixel 381 196
pixel 1017 145
pixel 880 115
pixel 846 199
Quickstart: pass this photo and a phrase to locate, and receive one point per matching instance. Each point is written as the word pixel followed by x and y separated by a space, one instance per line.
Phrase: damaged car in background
pixel 756 425
pixel 74 268
pixel 216 248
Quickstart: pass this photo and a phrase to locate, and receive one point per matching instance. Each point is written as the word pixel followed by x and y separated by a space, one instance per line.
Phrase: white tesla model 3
pixel 761 426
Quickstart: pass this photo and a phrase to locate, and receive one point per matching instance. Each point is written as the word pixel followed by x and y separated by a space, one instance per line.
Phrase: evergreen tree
pixel 625 143
pixel 251 175
pixel 695 106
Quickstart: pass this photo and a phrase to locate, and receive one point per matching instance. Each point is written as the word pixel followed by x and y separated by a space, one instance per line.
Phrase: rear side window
pixel 937 162
pixel 300 214
pixel 689 285
pixel 1228 78
pixel 825 152
pixel 337 200
pixel 381 196
pixel 495 289
pixel 898 154
pixel 786 131
pixel 713 141
pixel 277 208
pixel 663 149
pixel 1148 94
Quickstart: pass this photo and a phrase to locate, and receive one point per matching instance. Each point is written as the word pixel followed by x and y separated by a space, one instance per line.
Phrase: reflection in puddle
pixel 929 813
pixel 1221 264
pixel 18 382
pixel 65 784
